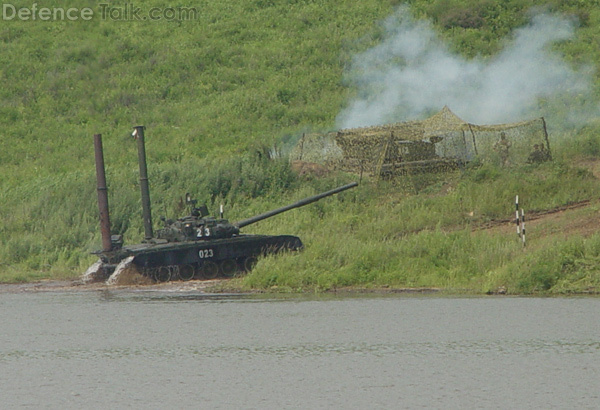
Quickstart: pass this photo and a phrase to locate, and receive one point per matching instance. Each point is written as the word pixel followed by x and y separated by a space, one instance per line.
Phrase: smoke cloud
pixel 412 74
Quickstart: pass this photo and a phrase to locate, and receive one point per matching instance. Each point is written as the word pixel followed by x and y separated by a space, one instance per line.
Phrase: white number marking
pixel 206 253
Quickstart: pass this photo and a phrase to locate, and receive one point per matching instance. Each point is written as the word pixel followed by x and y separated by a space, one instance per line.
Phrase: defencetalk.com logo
pixel 105 11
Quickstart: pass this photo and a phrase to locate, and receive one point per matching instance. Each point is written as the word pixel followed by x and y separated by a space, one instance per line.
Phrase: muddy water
pixel 128 349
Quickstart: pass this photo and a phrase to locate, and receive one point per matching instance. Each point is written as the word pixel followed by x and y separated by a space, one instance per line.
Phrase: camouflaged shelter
pixel 441 142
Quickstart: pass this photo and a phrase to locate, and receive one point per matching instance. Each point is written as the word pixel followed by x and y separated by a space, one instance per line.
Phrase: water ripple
pixel 426 349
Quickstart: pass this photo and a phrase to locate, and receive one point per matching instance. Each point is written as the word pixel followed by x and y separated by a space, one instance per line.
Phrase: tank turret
pixel 199 226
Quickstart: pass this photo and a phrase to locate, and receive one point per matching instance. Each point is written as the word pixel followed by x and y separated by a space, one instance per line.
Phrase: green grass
pixel 216 94
pixel 369 238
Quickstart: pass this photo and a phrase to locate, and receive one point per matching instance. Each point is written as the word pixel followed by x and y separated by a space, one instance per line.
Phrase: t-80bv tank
pixel 194 246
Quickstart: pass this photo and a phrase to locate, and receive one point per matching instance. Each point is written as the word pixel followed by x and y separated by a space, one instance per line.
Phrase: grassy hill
pixel 216 93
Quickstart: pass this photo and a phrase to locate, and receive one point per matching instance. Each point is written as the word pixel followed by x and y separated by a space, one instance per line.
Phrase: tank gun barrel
pixel 302 202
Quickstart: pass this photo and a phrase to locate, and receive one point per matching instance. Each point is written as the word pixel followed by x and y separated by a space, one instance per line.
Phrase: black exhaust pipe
pixel 138 133
pixel 102 194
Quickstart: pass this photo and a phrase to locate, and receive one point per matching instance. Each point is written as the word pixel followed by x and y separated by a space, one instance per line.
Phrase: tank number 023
pixel 206 253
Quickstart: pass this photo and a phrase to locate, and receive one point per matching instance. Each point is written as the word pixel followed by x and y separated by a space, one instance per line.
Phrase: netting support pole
pixel 474 143
pixel 383 155
pixel 546 138
pixel 302 146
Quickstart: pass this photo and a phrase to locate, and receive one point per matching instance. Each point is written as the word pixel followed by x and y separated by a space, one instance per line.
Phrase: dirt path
pixel 564 219
pixel 584 225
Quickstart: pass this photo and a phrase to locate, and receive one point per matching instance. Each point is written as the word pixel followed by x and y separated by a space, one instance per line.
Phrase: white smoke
pixel 412 74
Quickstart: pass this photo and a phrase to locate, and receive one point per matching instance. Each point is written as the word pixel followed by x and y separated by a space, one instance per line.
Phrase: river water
pixel 135 349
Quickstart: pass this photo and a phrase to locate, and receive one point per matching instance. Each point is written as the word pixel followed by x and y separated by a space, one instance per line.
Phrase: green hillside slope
pixel 216 92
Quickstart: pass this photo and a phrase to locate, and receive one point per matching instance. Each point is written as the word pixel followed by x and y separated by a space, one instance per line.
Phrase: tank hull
pixel 199 259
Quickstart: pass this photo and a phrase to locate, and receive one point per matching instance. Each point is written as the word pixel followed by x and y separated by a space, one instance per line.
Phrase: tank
pixel 195 246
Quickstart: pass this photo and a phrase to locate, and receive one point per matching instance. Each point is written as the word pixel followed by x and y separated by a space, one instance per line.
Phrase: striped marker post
pixel 520 220
pixel 523 226
pixel 517 216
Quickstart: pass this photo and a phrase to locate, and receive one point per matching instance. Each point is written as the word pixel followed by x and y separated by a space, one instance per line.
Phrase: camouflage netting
pixel 441 142
pixel 318 148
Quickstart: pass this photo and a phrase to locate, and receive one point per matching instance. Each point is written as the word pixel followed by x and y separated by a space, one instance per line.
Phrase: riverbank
pixel 230 286
pixel 213 286
pixel 193 286
pixel 575 223
pixel 456 234
pixel 205 286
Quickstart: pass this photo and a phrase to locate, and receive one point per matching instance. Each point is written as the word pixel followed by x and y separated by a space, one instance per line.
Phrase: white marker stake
pixel 517 215
pixel 523 226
